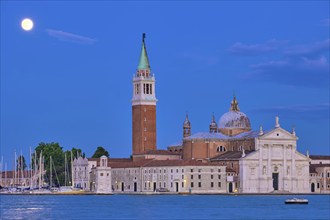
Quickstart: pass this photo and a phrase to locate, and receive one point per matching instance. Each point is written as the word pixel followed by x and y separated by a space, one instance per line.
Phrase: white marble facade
pixel 275 165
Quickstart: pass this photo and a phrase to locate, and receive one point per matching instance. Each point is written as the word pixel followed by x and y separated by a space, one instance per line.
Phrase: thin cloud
pixel 311 49
pixel 315 111
pixel 325 22
pixel 69 37
pixel 303 72
pixel 256 49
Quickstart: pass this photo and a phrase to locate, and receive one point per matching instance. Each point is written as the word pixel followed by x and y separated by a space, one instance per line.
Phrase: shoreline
pixel 161 194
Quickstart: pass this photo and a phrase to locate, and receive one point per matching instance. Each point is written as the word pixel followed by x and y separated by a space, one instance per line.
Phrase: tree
pixel 21 164
pixel 59 166
pixel 100 151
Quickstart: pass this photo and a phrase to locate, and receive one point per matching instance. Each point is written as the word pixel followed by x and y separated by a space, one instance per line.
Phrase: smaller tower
pixel 213 125
pixel 186 127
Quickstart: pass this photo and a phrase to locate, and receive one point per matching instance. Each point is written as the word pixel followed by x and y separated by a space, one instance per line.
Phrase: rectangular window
pixel 147 89
pixel 171 171
pixel 192 177
pixel 177 170
pixel 219 170
pixel 150 88
pixel 171 184
pixel 144 88
pixel 211 170
pixel 160 185
pixel 199 170
pixel 164 185
pixel 101 174
pixel 219 184
pixel 199 176
pixel 199 184
pixel 211 176
pixel 219 176
pixel 212 184
pixel 164 171
pixel 145 184
pixel 192 184
pixel 182 184
pixel 192 170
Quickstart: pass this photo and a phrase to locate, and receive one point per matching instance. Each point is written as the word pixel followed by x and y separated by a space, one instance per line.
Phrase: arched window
pixel 221 149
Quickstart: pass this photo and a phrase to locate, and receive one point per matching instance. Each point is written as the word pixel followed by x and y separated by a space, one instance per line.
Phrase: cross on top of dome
pixel 234 105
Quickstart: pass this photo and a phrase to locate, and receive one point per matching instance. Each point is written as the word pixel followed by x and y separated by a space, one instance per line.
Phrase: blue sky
pixel 69 80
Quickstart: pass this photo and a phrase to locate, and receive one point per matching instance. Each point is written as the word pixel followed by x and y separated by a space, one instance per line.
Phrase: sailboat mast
pixel 50 173
pixel 65 169
pixel 72 170
pixel 40 168
pixel 6 174
pixel 15 169
pixel 22 167
pixel 31 169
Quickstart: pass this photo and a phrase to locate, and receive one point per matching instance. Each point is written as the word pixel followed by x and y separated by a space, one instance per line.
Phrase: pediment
pixel 278 134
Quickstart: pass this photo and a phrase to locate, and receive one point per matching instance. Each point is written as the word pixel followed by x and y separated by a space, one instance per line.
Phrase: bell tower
pixel 143 106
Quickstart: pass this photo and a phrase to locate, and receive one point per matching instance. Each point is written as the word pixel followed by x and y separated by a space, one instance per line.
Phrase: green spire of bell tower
pixel 144 61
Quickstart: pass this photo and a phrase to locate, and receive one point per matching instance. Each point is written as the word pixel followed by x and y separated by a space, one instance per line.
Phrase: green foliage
pixel 21 164
pixel 55 151
pixel 100 151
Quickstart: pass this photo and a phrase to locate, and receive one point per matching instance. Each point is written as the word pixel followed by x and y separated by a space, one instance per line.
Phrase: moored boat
pixel 296 201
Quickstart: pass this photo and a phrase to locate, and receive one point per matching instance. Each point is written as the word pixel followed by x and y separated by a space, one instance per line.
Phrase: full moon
pixel 27 24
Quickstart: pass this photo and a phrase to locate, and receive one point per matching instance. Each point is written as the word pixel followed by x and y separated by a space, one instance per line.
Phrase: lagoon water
pixel 161 207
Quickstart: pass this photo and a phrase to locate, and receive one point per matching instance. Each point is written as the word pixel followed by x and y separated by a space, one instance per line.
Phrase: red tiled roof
pixel 319 157
pixel 161 163
pixel 229 170
pixel 230 155
pixel 312 167
pixel 11 174
pixel 159 152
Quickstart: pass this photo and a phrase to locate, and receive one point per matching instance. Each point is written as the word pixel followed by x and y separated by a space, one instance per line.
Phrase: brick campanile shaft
pixel 143 106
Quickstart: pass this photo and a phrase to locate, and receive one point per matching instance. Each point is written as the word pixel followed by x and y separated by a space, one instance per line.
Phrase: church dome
pixel 234 118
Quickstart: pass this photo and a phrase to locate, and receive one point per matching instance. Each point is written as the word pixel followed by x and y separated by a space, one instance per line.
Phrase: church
pixel 229 158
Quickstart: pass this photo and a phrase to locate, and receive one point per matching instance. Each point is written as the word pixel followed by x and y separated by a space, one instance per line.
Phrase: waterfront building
pixel 150 175
pixel 18 178
pixel 100 177
pixel 80 173
pixel 319 170
pixel 275 165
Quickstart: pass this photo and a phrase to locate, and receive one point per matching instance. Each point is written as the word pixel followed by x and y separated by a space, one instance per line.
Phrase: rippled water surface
pixel 161 207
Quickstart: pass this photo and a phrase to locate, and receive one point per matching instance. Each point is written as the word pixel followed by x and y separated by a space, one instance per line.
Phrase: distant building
pixel 319 170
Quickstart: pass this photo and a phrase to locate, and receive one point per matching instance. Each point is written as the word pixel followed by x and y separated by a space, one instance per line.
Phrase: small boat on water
pixel 296 201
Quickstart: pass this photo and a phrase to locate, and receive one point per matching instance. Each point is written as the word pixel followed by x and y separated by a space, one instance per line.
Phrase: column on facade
pixel 269 166
pixel 293 169
pixel 260 167
pixel 285 174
